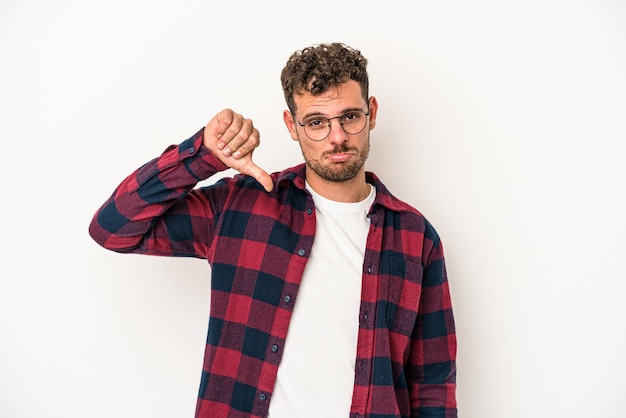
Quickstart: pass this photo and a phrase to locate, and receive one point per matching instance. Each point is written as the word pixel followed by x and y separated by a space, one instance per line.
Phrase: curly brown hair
pixel 321 67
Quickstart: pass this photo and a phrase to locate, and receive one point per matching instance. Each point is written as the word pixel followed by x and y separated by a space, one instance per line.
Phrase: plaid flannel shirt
pixel 257 244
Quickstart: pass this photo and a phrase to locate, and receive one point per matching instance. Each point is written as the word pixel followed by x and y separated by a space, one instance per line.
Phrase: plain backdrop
pixel 504 122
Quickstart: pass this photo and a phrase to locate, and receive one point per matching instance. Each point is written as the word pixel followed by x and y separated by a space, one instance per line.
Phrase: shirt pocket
pixel 403 282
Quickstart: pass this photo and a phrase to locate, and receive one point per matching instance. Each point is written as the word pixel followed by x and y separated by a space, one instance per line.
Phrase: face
pixel 340 157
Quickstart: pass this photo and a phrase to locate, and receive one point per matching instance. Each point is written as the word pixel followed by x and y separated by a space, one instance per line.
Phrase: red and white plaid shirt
pixel 257 244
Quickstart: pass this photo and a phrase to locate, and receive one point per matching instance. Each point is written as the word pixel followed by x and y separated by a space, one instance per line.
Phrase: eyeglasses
pixel 317 128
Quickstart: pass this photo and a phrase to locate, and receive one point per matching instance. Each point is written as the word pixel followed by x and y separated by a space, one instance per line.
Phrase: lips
pixel 340 157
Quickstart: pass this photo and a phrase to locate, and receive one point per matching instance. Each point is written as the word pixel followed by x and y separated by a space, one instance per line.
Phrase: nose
pixel 337 135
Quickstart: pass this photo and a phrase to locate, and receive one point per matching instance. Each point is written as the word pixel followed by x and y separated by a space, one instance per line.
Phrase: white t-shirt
pixel 316 373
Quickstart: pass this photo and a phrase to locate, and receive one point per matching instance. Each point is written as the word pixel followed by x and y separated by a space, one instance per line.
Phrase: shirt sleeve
pixel 431 369
pixel 156 210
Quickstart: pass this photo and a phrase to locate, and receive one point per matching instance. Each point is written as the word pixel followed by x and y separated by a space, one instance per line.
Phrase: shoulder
pixel 399 214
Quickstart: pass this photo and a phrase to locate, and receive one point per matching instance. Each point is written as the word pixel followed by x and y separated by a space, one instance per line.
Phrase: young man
pixel 329 296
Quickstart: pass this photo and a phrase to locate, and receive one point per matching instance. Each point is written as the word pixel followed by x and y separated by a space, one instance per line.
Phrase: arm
pixel 156 210
pixel 431 368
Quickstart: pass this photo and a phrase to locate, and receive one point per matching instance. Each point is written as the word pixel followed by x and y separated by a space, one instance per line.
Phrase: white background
pixel 502 121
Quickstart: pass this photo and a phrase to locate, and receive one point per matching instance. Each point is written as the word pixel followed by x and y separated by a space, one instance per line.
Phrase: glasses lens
pixel 317 128
pixel 353 122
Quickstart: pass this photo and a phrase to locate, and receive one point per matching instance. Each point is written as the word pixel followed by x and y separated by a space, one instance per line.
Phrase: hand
pixel 232 138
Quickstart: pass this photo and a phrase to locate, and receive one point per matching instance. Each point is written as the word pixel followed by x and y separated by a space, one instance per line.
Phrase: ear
pixel 373 111
pixel 290 124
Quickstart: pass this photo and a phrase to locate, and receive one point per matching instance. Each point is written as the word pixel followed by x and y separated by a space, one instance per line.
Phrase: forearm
pixel 431 369
pixel 432 373
pixel 130 219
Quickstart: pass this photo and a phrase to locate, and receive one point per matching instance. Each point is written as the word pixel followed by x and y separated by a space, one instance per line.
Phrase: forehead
pixel 333 101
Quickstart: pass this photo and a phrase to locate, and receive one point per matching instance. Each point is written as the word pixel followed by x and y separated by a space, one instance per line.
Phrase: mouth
pixel 340 154
pixel 339 157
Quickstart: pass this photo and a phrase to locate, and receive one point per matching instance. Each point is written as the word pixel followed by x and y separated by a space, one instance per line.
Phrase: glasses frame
pixel 340 117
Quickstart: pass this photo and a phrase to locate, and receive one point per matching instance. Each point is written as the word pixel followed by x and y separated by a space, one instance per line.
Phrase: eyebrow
pixel 349 109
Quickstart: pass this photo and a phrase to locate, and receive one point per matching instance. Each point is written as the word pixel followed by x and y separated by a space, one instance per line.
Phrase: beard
pixel 337 172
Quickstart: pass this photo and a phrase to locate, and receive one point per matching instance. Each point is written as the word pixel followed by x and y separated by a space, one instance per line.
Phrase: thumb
pixel 259 175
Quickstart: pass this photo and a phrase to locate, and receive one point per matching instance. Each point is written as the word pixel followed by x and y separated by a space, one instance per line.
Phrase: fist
pixel 233 138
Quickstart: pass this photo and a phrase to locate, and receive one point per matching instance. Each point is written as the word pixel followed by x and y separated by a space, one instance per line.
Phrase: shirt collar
pixel 296 176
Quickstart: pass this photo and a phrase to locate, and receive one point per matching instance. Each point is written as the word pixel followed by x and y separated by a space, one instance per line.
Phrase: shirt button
pixel 369 269
pixel 274 348
pixel 263 396
pixel 309 211
pixel 301 252
pixel 287 299
pixel 191 150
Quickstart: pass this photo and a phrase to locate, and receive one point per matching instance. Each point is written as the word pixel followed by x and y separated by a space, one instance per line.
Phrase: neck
pixel 349 191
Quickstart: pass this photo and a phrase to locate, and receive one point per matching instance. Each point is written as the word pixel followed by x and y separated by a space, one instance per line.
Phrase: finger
pixel 224 120
pixel 245 141
pixel 241 151
pixel 247 147
pixel 238 133
pixel 218 126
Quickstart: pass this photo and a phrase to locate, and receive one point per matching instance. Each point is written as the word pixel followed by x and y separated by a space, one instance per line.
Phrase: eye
pixel 351 117
pixel 316 123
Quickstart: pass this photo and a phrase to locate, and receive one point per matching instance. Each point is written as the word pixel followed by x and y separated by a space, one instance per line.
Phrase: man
pixel 329 296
